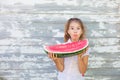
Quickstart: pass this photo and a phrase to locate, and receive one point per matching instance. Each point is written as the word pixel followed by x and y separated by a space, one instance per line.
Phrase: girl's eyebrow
pixel 79 27
pixel 71 26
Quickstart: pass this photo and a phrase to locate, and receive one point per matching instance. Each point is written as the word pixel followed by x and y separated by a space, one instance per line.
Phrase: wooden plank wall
pixel 27 25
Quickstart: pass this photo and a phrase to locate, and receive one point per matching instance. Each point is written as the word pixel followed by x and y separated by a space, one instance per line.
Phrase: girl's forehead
pixel 73 23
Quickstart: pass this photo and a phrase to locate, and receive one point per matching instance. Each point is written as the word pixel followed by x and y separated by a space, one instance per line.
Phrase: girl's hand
pixel 52 56
pixel 80 55
pixel 59 62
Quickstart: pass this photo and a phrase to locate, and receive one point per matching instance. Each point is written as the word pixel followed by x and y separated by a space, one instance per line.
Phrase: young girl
pixel 72 68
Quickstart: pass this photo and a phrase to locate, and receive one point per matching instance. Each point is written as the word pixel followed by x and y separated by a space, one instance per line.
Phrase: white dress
pixel 71 71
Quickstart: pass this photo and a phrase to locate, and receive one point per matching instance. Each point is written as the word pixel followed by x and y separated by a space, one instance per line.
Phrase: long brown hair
pixel 66 35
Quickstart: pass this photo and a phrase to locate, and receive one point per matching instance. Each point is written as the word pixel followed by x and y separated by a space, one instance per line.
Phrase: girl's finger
pixel 52 55
pixel 49 55
pixel 56 55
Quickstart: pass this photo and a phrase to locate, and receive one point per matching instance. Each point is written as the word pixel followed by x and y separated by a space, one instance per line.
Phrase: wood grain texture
pixel 25 26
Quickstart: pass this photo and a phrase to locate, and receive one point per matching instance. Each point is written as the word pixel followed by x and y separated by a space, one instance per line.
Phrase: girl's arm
pixel 82 63
pixel 59 62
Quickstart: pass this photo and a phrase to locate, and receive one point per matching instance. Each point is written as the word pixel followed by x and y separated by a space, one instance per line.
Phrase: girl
pixel 72 68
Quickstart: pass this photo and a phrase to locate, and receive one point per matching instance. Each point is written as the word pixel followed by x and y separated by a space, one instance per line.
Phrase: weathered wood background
pixel 26 25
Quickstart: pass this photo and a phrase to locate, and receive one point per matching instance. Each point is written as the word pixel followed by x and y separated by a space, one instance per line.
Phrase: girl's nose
pixel 75 31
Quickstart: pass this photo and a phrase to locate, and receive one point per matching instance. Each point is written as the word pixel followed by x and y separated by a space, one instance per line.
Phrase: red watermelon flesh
pixel 67 48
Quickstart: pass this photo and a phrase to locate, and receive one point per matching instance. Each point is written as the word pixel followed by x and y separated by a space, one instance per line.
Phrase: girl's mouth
pixel 75 35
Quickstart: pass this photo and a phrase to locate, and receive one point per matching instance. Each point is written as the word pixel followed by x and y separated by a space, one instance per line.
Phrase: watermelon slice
pixel 67 49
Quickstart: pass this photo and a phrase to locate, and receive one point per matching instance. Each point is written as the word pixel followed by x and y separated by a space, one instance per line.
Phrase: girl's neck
pixel 74 40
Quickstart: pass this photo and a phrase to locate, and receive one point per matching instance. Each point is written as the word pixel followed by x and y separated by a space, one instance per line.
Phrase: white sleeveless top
pixel 71 70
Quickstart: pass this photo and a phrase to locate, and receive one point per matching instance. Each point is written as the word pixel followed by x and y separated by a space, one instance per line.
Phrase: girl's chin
pixel 75 37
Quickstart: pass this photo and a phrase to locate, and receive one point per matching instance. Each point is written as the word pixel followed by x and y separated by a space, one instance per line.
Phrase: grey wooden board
pixel 39 49
pixel 25 26
pixel 55 40
pixel 95 6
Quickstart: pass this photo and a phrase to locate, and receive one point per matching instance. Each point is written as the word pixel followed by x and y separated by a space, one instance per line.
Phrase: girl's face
pixel 75 31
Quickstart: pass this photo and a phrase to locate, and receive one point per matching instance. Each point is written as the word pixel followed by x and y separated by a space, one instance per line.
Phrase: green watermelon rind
pixel 68 54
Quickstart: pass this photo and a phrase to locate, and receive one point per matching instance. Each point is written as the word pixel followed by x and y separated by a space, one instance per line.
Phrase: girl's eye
pixel 78 28
pixel 72 28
